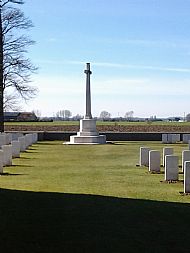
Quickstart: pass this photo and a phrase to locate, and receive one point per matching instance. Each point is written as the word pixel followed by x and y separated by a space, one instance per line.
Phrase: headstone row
pixel 186 138
pixel 144 155
pixel 10 147
pixel 151 159
pixel 170 138
pixel 174 138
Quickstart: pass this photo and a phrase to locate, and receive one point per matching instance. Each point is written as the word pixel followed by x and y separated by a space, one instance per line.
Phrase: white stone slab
pixel 173 138
pixel 171 167
pixel 22 144
pixel 154 160
pixel 2 140
pixel 15 149
pixel 7 155
pixel 177 137
pixel 187 177
pixel 144 156
pixel 167 151
pixel 87 134
pixel 35 137
pixel 165 138
pixel 8 138
pixel 28 140
pixel 1 161
pixel 185 157
pixel 186 138
pixel 15 136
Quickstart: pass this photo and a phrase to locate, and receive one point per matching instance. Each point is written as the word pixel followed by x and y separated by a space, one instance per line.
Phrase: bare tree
pixel 11 102
pixel 129 115
pixel 15 69
pixel 64 114
pixel 105 115
pixel 67 114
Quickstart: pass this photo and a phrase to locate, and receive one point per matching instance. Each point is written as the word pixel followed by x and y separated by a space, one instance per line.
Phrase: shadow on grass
pixel 30 151
pixel 20 165
pixel 12 174
pixel 32 148
pixel 25 158
pixel 55 222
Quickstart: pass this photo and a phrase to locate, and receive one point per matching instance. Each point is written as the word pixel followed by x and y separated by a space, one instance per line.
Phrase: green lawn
pixel 65 198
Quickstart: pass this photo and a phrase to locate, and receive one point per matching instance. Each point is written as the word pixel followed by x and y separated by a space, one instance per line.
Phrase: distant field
pixel 66 123
pixel 73 126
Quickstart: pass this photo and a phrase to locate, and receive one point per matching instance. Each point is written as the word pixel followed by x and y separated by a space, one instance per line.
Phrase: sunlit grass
pixel 64 198
pixel 107 170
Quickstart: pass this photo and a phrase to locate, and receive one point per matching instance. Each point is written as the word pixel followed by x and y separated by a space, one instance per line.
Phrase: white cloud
pixel 155 68
pixel 118 65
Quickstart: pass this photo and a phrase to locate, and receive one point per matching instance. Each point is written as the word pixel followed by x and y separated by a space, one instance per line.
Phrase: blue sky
pixel 139 52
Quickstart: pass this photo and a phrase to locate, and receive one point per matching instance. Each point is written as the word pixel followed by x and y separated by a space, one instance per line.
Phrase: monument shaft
pixel 88 92
pixel 88 133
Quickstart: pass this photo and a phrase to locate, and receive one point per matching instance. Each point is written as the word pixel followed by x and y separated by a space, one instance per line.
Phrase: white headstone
pixel 35 137
pixel 15 149
pixel 1 161
pixel 171 167
pixel 173 138
pixel 15 136
pixel 7 155
pixel 154 160
pixel 177 137
pixel 28 140
pixel 8 138
pixel 186 138
pixel 185 157
pixel 167 151
pixel 144 156
pixel 2 140
pixel 164 138
pixel 22 143
pixel 187 177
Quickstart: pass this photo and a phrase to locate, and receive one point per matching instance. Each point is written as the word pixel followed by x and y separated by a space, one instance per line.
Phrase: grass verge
pixel 60 198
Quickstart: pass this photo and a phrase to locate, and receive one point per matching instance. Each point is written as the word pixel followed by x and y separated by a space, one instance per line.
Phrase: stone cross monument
pixel 88 133
pixel 88 93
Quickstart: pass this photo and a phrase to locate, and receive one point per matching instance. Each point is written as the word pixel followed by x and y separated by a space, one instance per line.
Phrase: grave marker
pixel 15 149
pixel 144 156
pixel 187 177
pixel 185 157
pixel 7 155
pixel 171 167
pixel 1 161
pixel 154 160
pixel 167 151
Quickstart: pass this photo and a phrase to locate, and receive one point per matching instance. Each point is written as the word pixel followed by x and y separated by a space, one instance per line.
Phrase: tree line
pixel 66 114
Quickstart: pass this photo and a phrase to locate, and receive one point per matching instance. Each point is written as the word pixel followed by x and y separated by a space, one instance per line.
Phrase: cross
pixel 88 93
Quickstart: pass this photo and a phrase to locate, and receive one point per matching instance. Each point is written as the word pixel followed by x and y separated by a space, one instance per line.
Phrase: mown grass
pixel 108 170
pixel 65 198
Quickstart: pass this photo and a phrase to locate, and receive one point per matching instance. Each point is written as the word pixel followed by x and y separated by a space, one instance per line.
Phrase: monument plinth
pixel 88 133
